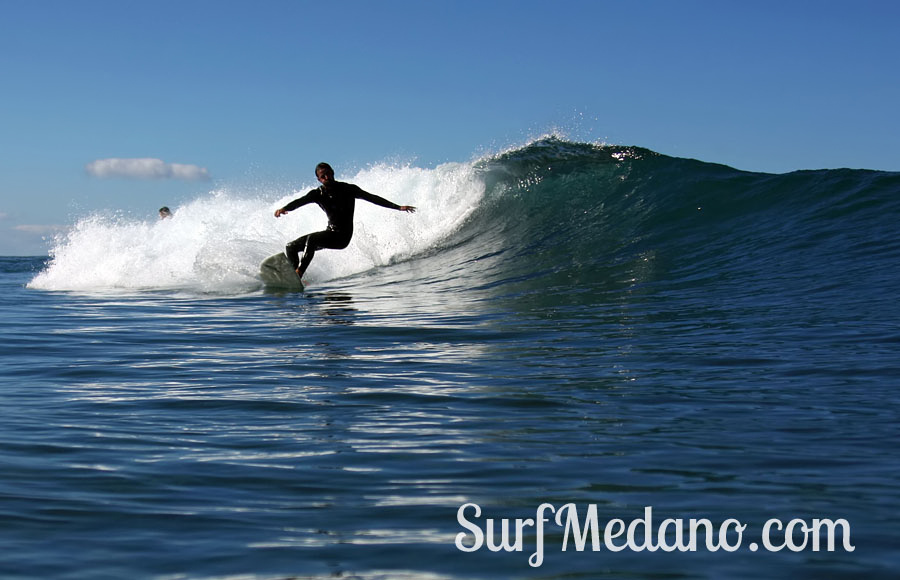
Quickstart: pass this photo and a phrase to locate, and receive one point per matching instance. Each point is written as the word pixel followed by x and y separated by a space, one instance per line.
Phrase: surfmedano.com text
pixel 643 534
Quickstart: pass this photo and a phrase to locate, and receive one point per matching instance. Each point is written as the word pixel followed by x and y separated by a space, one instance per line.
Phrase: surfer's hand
pixel 280 212
pixel 408 208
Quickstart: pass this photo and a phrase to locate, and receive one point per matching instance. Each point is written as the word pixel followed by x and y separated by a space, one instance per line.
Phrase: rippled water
pixel 685 337
pixel 337 432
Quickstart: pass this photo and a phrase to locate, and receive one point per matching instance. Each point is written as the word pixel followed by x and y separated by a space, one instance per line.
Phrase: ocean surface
pixel 561 323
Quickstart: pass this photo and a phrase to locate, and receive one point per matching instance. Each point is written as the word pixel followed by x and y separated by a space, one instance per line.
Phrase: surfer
pixel 338 200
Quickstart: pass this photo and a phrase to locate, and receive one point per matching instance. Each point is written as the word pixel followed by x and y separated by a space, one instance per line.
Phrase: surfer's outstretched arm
pixel 300 201
pixel 378 200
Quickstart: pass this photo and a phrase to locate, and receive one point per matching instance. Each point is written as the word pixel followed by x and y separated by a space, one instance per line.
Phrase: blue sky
pixel 189 95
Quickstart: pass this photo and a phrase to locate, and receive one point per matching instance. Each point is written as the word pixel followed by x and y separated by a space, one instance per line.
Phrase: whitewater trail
pixel 216 242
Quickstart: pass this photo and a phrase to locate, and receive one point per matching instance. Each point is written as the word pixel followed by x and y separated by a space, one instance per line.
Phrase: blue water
pixel 561 323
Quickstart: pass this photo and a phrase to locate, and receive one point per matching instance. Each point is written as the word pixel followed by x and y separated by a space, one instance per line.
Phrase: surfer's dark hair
pixel 324 165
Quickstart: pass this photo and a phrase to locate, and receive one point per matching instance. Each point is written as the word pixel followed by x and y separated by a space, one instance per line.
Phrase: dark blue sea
pixel 562 323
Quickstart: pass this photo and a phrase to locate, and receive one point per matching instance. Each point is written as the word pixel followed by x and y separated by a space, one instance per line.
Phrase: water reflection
pixel 338 308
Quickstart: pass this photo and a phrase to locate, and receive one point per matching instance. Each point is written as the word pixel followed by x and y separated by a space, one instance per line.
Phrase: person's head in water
pixel 164 212
pixel 325 174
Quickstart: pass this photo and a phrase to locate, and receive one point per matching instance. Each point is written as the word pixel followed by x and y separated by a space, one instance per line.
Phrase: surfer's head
pixel 324 173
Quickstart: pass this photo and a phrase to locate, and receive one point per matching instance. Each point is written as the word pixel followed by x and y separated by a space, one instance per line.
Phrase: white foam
pixel 215 243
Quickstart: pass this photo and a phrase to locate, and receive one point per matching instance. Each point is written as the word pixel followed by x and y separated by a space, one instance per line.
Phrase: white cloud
pixel 145 168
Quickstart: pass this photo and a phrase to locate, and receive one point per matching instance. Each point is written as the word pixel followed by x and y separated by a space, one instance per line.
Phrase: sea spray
pixel 214 244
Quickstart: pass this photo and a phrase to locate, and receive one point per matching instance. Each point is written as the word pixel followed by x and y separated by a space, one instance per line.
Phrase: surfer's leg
pixel 293 249
pixel 309 250
pixel 317 241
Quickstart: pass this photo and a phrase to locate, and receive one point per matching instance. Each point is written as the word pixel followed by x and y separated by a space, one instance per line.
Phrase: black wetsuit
pixel 338 202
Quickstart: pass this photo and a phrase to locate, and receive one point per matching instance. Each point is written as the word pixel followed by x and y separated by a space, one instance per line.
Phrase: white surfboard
pixel 276 272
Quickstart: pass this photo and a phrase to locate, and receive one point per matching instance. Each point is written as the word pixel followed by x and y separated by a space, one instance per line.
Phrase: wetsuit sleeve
pixel 301 201
pixel 377 200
